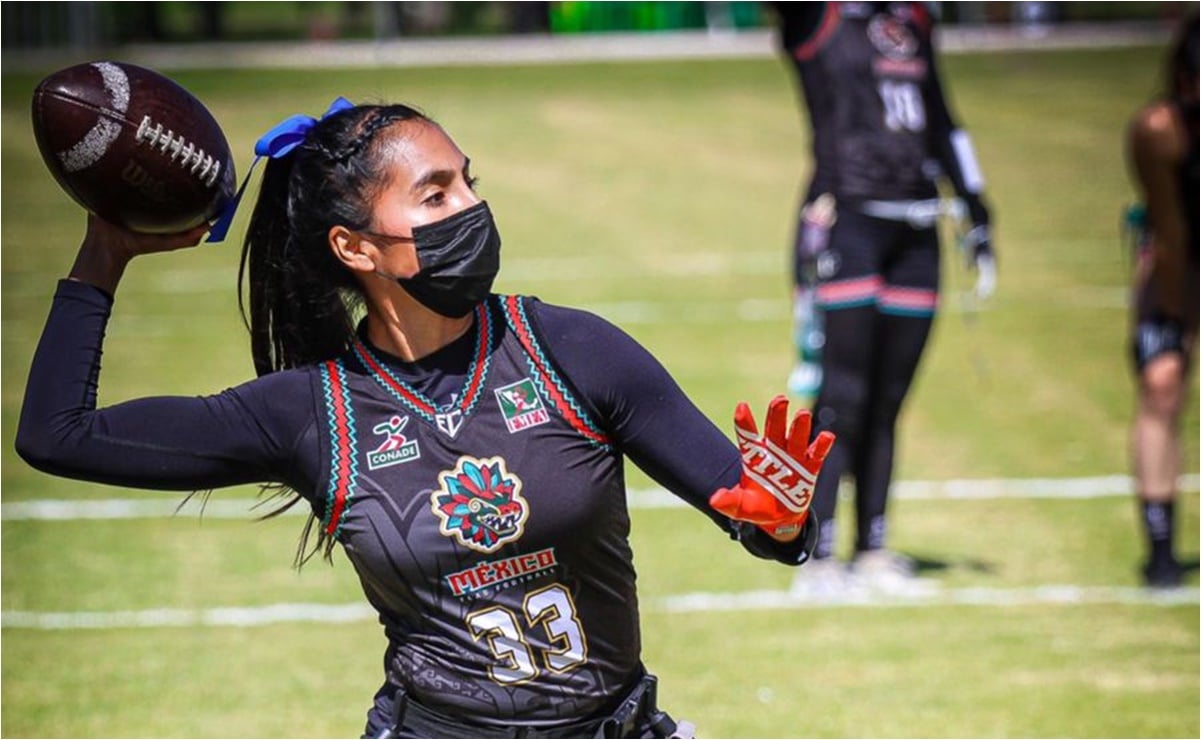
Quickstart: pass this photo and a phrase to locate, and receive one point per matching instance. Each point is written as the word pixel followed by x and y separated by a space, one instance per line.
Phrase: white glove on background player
pixel 976 245
pixel 977 249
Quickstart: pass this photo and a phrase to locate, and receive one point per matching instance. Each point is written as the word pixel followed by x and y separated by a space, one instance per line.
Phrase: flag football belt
pixel 636 716
pixel 920 214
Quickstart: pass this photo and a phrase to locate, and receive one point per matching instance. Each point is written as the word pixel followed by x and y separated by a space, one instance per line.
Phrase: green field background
pixel 662 196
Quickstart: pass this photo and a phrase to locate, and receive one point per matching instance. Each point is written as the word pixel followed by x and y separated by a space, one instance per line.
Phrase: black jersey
pixel 1187 181
pixel 455 521
pixel 478 492
pixel 880 125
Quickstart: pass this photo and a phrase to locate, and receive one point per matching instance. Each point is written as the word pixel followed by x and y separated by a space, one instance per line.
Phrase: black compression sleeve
pixel 640 405
pixel 945 137
pixel 244 435
pixel 653 422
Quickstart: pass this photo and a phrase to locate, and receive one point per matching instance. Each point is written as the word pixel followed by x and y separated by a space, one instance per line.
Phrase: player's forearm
pixel 169 443
pixel 957 155
pixel 98 265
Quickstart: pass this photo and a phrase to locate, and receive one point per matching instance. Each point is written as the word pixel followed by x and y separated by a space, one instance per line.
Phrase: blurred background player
pixel 1161 147
pixel 867 247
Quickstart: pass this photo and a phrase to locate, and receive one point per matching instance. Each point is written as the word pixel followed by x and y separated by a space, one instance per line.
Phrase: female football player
pixel 464 448
pixel 867 247
pixel 1161 147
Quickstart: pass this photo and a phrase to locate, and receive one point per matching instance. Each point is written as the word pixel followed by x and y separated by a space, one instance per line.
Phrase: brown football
pixel 133 147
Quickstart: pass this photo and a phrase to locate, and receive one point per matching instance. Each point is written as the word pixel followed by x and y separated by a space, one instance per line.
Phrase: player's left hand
pixel 977 251
pixel 779 470
pixel 977 247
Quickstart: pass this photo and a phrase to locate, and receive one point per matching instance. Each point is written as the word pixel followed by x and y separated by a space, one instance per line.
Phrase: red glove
pixel 779 469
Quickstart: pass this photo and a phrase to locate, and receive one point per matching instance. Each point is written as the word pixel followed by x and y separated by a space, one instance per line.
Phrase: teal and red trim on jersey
pixel 412 398
pixel 830 21
pixel 549 384
pixel 871 290
pixel 849 293
pixel 344 466
pixel 900 301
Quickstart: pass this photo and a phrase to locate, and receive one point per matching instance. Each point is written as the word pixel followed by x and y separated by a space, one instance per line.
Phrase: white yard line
pixel 251 616
pixel 256 616
pixel 925 592
pixel 156 506
pixel 1104 486
pixel 151 507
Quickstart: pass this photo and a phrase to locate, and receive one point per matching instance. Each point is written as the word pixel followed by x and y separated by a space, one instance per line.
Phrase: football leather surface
pixel 133 146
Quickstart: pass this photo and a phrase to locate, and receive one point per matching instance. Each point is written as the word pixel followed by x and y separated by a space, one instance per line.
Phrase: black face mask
pixel 459 258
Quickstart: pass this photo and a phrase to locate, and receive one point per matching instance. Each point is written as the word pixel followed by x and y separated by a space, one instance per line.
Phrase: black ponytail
pixel 298 301
pixel 1181 68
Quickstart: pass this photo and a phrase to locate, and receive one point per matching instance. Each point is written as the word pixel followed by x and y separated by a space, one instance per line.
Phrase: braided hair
pixel 298 301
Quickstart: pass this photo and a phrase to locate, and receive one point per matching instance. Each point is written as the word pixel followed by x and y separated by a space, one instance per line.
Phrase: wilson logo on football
pixel 133 147
pixel 479 503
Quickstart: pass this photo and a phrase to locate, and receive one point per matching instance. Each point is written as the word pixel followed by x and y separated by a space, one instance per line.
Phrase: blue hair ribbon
pixel 278 142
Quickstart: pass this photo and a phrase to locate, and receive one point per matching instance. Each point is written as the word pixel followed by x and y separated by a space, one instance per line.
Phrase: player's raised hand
pixel 779 469
pixel 129 243
pixel 107 248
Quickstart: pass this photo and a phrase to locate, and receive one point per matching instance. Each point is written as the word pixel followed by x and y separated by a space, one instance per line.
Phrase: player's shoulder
pixel 918 14
pixel 1155 129
pixel 559 320
pixel 559 310
pixel 1157 117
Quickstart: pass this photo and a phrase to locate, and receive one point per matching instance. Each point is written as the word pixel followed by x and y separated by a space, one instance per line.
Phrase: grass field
pixel 660 195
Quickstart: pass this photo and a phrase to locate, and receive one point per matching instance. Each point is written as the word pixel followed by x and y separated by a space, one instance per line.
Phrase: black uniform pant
pixel 878 291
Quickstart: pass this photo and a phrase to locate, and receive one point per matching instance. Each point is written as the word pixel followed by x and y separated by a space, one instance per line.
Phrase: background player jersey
pixel 865 71
pixel 1187 182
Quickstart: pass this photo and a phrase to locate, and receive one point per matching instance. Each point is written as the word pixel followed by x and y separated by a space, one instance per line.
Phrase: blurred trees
pixel 97 24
